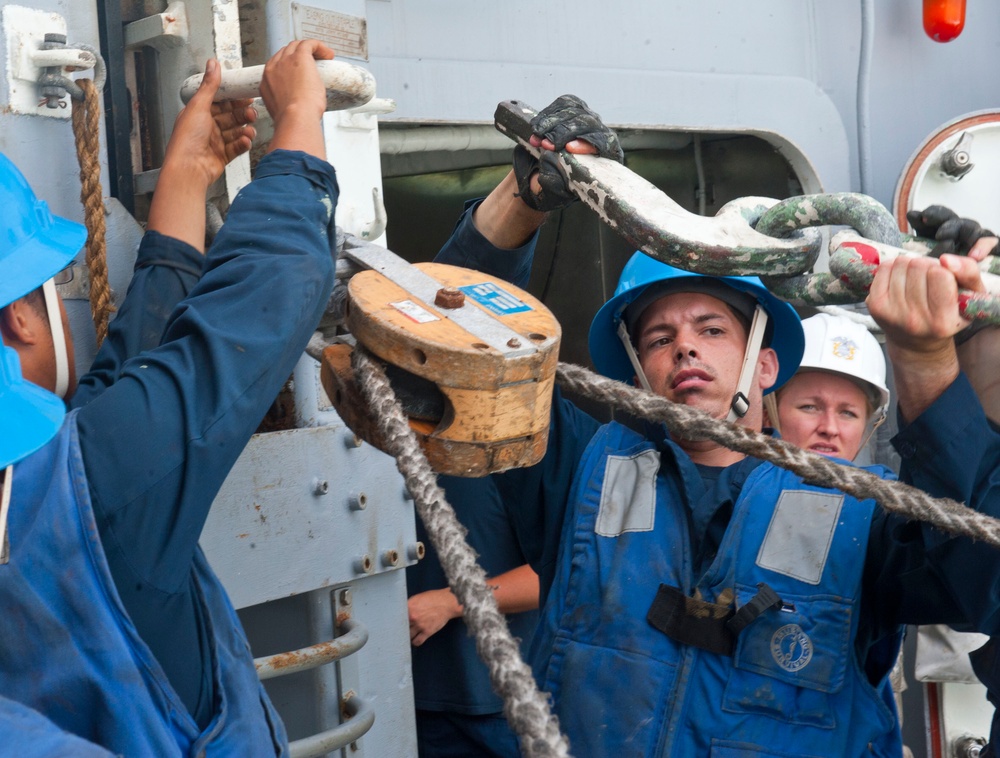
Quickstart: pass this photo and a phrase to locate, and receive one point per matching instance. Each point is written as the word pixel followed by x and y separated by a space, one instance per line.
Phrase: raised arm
pixel 184 410
pixel 206 136
pixel 511 214
pixel 947 446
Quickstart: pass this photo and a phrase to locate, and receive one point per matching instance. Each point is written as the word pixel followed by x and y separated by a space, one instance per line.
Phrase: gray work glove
pixel 566 119
pixel 952 233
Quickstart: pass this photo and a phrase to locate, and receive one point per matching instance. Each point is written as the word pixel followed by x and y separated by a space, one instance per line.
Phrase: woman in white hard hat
pixel 838 397
pixel 835 402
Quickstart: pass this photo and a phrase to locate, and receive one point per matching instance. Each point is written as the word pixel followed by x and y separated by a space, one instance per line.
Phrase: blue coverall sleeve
pixel 468 248
pixel 29 734
pixel 160 441
pixel 165 271
pixel 537 496
pixel 952 450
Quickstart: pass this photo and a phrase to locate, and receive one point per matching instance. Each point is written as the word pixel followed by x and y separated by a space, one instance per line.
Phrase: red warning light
pixel 944 19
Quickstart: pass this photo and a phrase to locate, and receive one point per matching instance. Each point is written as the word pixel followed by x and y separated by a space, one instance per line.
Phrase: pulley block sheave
pixel 471 357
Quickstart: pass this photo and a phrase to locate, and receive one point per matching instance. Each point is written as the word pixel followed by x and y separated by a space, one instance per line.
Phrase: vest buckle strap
pixel 765 599
pixel 692 622
pixel 708 626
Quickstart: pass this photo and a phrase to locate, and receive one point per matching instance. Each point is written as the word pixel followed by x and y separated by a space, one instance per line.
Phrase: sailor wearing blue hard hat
pixel 35 247
pixel 697 600
pixel 631 330
pixel 116 629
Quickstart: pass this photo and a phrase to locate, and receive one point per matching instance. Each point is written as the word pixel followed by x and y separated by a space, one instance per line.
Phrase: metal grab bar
pixel 347 86
pixel 359 715
pixel 353 639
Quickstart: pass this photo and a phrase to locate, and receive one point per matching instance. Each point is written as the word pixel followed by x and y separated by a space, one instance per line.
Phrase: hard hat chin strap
pixel 58 337
pixel 6 483
pixel 741 403
pixel 632 357
pixel 878 422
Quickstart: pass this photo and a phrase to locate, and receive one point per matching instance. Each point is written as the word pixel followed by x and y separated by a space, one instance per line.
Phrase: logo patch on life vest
pixel 844 348
pixel 791 647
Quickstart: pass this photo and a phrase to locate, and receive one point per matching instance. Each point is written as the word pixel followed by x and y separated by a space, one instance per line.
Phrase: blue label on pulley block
pixel 493 298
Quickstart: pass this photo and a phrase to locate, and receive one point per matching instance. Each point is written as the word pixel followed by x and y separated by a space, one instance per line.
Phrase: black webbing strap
pixel 708 626
pixel 764 599
pixel 692 622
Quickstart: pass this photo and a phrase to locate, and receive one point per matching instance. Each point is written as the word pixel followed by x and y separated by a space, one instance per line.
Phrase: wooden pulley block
pixel 472 357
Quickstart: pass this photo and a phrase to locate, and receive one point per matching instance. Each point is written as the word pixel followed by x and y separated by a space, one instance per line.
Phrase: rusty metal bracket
pixel 353 636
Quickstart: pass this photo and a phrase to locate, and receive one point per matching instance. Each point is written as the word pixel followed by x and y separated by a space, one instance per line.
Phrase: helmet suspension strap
pixel 632 357
pixel 58 337
pixel 878 420
pixel 6 482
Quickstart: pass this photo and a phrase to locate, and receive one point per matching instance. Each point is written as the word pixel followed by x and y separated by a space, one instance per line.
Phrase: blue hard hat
pixel 643 271
pixel 30 415
pixel 34 244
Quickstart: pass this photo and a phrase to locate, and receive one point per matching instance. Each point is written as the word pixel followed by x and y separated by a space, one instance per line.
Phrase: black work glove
pixel 566 119
pixel 953 233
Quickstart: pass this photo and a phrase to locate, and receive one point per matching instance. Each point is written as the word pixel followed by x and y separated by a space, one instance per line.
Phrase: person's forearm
pixel 178 207
pixel 979 358
pixel 213 378
pixel 504 219
pixel 299 129
pixel 921 377
pixel 951 450
pixel 516 590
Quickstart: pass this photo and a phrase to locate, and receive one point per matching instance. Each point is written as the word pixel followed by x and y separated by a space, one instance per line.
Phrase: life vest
pixel 71 652
pixel 790 685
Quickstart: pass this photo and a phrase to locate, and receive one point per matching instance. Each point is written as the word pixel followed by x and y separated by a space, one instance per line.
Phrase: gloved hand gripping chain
pixel 750 236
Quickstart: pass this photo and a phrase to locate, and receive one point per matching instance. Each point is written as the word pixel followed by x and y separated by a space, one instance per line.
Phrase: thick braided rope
pixel 526 708
pixel 86 130
pixel 692 424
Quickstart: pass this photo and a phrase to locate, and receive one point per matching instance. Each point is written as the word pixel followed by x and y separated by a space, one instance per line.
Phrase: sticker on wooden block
pixel 495 299
pixel 413 311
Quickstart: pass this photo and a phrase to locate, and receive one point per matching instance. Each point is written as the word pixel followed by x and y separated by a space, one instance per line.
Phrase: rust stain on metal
pixel 294 658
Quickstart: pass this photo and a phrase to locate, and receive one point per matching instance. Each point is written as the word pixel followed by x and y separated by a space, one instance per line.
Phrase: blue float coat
pixel 72 653
pixel 912 574
pixel 160 425
pixel 38 737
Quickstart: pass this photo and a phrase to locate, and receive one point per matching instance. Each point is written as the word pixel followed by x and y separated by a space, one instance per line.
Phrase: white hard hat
pixel 842 346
